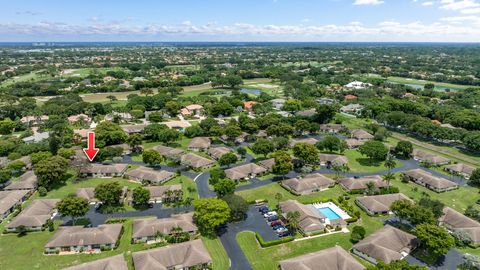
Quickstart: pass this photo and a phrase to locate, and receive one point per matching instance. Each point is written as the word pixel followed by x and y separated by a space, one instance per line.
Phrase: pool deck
pixel 342 214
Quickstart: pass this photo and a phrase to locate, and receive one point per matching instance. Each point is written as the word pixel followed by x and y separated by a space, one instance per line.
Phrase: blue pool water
pixel 329 213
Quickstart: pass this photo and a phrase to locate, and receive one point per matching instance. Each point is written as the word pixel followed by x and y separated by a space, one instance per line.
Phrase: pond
pixel 251 91
pixel 419 86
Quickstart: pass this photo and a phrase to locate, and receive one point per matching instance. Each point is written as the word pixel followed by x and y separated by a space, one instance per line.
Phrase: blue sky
pixel 240 20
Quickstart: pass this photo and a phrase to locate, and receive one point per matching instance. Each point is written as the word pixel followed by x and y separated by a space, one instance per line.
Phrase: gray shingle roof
pixel 335 258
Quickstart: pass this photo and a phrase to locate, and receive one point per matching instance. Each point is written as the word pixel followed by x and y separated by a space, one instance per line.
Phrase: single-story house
pixel 117 262
pixel 158 194
pixel 37 137
pixel 9 199
pixel 217 152
pixel 125 148
pixel 169 152
pixel 429 181
pixel 199 144
pixel 145 230
pixel 35 215
pixel 460 169
pixel 267 164
pixel 244 172
pixel 34 120
pixel 78 117
pixel 357 85
pixel 306 113
pixel 335 258
pixel 354 184
pixel 353 143
pixel 186 255
pixel 332 128
pixel 89 194
pixel 308 184
pixel 132 129
pixel 325 101
pixel 178 125
pixel 124 116
pixel 27 181
pixel 379 204
pixel 432 159
pixel 457 222
pixel 361 135
pixel 192 109
pixel 82 133
pixel 73 239
pixel 310 221
pixel 144 174
pixel 387 244
pixel 104 171
pixel 311 141
pixel 195 161
pixel 354 109
pixel 240 139
pixel 330 159
pixel 278 103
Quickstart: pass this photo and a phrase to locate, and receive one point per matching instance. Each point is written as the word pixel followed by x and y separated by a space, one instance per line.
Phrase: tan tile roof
pixel 428 178
pixel 243 171
pixel 339 159
pixel 308 182
pixel 335 258
pixel 361 134
pixel 267 163
pixel 387 244
pixel 100 168
pixel 200 142
pixel 133 128
pixel 159 191
pixel 430 158
pixel 177 256
pixel 311 141
pixel 196 161
pixel 27 181
pixel 150 227
pixel 218 152
pixel 460 168
pixel 459 222
pixel 380 203
pixel 68 236
pixel 149 174
pixel 87 193
pixel 36 214
pixel 309 220
pixel 361 183
pixel 9 198
pixel 110 263
pixel 168 151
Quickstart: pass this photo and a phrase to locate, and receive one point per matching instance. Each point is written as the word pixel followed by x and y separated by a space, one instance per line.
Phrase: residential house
pixel 329 160
pixel 306 113
pixel 422 156
pixel 89 194
pixel 10 199
pixel 117 262
pixel 379 204
pixel 244 172
pixel 82 133
pixel 217 152
pixel 34 216
pixel 353 143
pixel 126 150
pixel 357 85
pixel 457 222
pixel 278 103
pixel 34 120
pixel 74 239
pixel 133 129
pixel 308 184
pixel 325 101
pixel 79 117
pixel 169 152
pixel 186 255
pixel 361 135
pixel 429 181
pixel 160 194
pixel 148 175
pixel 27 181
pixel 192 110
pixel 332 128
pixel 104 171
pixel 335 258
pixel 248 105
pixel 360 184
pixel 194 161
pixel 311 221
pixel 310 140
pixel 123 116
pixel 178 125
pixel 387 244
pixel 199 144
pixel 353 109
pixel 240 139
pixel 37 137
pixel 460 169
pixel 267 164
pixel 146 230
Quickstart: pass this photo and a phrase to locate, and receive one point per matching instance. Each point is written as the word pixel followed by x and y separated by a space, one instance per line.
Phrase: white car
pixel 271 213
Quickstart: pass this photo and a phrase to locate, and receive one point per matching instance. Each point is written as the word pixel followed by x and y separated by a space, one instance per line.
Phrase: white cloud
pixel 471 11
pixel 368 2
pixel 427 4
pixel 458 4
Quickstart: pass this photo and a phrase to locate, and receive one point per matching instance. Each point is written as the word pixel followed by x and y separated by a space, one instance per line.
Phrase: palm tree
pixel 388 178
pixel 293 221
pixel 390 163
pixel 370 188
pixel 278 197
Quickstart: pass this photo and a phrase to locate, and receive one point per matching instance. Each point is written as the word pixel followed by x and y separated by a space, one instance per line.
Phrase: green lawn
pixel 186 183
pixel 423 82
pixel 218 253
pixel 359 163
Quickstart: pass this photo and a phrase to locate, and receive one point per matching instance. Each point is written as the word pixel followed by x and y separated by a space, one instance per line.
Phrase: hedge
pixel 274 242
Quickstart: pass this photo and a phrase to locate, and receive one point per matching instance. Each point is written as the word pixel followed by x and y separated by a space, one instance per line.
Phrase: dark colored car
pixel 276 222
pixel 284 233
pixel 263 209
pixel 279 226
pixel 272 218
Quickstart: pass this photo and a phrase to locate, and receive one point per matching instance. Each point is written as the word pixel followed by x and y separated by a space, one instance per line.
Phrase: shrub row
pixel 274 242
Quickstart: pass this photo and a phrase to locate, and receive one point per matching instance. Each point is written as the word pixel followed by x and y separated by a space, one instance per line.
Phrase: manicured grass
pixel 268 192
pixel 359 163
pixel 423 82
pixel 71 187
pixel 217 252
pixel 186 183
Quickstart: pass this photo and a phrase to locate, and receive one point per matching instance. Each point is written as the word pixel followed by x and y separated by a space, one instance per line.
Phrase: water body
pixel 256 92
pixel 419 86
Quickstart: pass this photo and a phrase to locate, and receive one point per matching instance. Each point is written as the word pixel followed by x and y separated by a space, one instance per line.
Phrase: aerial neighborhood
pixel 245 157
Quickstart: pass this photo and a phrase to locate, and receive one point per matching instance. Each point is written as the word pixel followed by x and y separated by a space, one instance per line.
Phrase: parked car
pixel 283 233
pixel 279 226
pixel 281 229
pixel 272 218
pixel 276 222
pixel 271 213
pixel 263 209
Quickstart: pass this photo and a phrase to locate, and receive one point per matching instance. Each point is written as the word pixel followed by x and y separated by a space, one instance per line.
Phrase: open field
pixel 218 253
pixel 32 76
pixel 359 163
pixel 423 82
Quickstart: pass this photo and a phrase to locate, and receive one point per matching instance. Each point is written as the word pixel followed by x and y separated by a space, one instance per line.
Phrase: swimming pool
pixel 329 213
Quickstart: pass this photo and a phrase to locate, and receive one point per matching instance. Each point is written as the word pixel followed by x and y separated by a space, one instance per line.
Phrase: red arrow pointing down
pixel 91 151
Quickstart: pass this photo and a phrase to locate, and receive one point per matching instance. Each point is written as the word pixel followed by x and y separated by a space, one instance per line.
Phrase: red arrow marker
pixel 91 151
